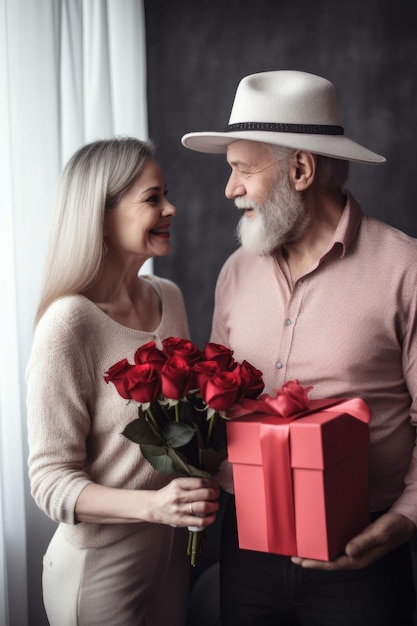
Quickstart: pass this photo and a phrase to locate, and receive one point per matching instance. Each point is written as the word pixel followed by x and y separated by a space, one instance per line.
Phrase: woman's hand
pixel 185 502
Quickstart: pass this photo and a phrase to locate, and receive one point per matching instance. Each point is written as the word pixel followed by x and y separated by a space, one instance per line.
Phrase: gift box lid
pixel 317 441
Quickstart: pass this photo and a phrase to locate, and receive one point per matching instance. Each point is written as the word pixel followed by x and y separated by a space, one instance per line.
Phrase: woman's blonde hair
pixel 93 181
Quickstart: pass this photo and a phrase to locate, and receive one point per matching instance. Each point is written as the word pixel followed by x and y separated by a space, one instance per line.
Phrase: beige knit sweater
pixel 75 419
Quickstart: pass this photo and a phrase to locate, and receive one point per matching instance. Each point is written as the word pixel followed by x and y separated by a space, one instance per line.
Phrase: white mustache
pixel 245 203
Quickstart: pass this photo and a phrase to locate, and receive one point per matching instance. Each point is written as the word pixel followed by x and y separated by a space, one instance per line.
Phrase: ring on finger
pixel 191 509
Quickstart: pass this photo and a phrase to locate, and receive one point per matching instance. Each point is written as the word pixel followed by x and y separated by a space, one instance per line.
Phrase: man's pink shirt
pixel 348 327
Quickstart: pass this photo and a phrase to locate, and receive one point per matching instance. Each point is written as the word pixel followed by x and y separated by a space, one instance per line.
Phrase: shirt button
pixel 278 365
pixel 288 322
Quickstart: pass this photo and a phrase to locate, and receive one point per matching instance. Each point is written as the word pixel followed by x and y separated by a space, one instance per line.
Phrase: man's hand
pixel 386 533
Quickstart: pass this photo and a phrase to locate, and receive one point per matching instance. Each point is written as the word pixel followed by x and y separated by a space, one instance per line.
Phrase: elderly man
pixel 322 293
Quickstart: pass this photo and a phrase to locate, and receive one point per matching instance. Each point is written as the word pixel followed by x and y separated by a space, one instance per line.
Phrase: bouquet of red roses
pixel 182 394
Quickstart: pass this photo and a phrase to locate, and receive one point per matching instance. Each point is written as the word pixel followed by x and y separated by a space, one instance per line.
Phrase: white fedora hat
pixel 288 108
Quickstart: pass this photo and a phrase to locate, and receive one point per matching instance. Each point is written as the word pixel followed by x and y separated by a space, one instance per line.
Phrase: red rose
pixel 175 346
pixel 143 383
pixel 175 378
pixel 203 372
pixel 117 375
pixel 222 355
pixel 252 381
pixel 222 390
pixel 149 353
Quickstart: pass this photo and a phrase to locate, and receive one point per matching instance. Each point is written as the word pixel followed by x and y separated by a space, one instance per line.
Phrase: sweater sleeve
pixel 58 418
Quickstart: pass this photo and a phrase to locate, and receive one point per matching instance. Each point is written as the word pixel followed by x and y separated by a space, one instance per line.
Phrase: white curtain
pixel 71 71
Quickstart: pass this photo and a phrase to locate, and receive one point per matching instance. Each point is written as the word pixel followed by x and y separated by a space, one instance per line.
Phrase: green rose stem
pixel 195 537
pixel 211 427
pixel 177 412
pixel 153 421
pixel 178 461
pixel 194 547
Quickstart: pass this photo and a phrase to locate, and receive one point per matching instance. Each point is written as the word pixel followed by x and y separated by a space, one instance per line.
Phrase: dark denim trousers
pixel 259 589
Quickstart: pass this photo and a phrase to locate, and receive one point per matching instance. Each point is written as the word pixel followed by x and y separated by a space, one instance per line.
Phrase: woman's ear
pixel 303 170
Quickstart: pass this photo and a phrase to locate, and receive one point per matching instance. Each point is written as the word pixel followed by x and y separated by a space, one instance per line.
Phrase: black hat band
pixel 310 129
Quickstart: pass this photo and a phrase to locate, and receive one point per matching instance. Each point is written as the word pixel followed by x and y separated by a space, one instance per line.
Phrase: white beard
pixel 281 220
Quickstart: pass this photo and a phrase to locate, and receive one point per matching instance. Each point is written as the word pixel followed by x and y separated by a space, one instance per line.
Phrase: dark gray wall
pixel 197 53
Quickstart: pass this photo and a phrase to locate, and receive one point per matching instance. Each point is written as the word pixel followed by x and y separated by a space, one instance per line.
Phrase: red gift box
pixel 301 482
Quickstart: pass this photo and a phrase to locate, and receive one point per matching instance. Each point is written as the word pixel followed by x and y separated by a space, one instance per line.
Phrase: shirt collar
pixel 343 236
pixel 348 225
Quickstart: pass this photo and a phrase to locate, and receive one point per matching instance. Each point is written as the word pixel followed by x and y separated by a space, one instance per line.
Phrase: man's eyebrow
pixel 236 162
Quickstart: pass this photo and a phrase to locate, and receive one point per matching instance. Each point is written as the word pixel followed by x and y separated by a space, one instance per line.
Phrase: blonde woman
pixel 118 555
